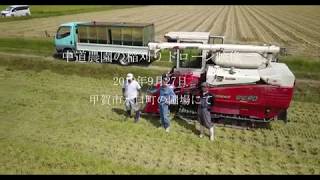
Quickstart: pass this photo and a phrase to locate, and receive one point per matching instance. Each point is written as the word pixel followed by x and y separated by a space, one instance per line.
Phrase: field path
pixel 51 58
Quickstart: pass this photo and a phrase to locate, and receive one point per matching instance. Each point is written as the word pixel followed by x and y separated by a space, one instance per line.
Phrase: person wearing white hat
pixel 131 90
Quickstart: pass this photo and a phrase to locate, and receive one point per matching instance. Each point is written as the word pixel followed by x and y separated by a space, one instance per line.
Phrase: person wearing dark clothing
pixel 204 115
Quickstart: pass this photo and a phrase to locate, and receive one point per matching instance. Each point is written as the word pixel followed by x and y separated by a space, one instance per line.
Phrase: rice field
pixel 48 125
pixel 294 27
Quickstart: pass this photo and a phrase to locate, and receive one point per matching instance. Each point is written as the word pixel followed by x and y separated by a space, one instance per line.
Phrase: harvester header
pixel 216 47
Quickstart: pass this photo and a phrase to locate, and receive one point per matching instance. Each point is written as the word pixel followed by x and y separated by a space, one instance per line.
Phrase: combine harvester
pixel 248 83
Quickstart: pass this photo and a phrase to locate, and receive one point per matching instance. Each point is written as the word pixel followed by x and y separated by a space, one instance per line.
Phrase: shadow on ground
pixel 155 120
pixel 186 125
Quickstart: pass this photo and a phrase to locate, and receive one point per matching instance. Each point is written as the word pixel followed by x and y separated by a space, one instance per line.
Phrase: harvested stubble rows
pixel 294 27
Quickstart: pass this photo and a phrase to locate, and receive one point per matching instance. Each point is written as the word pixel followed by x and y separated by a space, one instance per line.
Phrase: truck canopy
pixel 129 34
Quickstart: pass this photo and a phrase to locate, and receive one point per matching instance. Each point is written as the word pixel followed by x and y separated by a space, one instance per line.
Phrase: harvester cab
pixel 193 37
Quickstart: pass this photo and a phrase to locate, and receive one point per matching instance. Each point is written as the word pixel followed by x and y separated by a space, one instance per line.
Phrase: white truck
pixel 118 40
pixel 124 42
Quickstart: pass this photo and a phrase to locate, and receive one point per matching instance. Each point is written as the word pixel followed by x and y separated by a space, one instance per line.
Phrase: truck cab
pixel 66 37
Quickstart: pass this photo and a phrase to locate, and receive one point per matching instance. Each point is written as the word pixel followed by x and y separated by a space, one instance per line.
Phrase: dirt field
pixel 295 27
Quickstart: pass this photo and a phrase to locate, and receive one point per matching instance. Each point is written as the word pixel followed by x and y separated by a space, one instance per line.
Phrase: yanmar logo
pixel 222 96
pixel 247 98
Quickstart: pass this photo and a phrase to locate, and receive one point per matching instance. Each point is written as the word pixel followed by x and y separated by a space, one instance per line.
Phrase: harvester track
pixel 226 120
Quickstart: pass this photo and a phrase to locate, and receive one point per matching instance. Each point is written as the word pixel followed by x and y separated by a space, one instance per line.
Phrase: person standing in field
pixel 166 97
pixel 204 115
pixel 131 90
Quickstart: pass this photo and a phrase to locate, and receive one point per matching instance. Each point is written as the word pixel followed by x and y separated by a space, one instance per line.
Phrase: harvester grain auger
pixel 247 82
